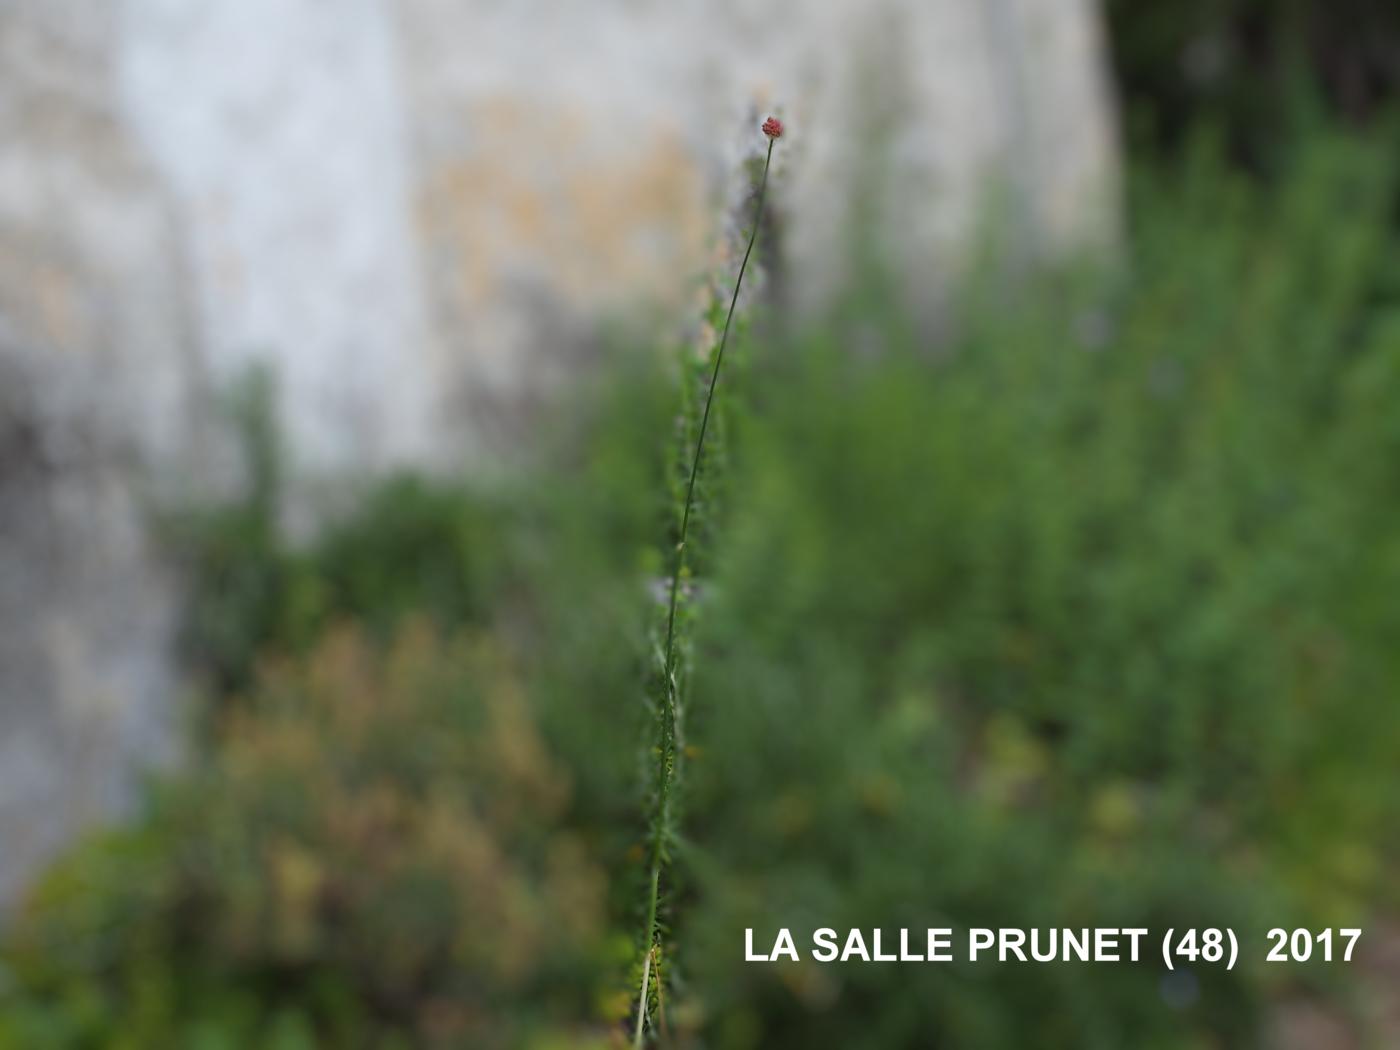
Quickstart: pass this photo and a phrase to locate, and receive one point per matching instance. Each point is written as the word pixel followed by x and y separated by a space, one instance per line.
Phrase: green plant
pixel 668 708
pixel 407 546
pixel 1084 616
pixel 374 853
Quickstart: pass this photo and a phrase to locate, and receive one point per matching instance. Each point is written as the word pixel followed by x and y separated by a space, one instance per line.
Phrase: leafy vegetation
pixel 1083 616
pixel 409 546
pixel 1246 65
pixel 374 855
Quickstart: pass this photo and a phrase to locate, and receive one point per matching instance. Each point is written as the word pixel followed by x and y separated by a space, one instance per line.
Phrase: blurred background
pixel 349 354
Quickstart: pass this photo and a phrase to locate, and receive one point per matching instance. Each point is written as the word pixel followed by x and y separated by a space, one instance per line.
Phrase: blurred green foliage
pixel 1251 67
pixel 1082 617
pixel 409 545
pixel 373 855
pixel 1086 618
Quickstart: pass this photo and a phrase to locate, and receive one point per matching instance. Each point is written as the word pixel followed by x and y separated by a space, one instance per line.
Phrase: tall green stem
pixel 667 756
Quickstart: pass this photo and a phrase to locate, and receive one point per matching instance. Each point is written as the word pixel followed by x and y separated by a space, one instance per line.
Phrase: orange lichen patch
pixel 541 196
pixel 561 123
pixel 58 311
pixel 41 294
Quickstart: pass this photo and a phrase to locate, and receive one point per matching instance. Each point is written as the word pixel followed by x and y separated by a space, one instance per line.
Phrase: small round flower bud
pixel 773 128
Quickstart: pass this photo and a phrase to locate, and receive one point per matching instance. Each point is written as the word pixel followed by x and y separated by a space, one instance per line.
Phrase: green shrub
pixel 408 546
pixel 1085 621
pixel 375 853
pixel 1082 617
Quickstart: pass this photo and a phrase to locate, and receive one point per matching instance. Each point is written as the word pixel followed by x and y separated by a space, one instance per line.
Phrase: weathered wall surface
pixel 93 367
pixel 418 211
pixel 568 159
pixel 279 131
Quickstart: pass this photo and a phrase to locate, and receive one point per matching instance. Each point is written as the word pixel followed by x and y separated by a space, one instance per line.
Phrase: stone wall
pixel 94 366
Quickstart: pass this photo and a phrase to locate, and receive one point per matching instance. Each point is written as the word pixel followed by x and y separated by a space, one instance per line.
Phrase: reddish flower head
pixel 773 128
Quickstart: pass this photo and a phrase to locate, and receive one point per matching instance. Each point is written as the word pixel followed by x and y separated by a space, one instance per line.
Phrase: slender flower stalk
pixel 667 756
